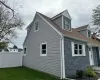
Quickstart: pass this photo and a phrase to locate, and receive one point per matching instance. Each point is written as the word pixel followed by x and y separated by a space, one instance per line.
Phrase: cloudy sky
pixel 80 11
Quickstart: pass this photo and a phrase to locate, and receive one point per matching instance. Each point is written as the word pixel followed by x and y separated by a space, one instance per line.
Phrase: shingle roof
pixel 93 42
pixel 81 27
pixel 72 34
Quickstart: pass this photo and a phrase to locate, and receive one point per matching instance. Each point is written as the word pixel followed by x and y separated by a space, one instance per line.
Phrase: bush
pixel 79 73
pixel 90 72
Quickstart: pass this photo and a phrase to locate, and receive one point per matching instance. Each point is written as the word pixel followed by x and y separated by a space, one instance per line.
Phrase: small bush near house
pixel 79 73
pixel 90 72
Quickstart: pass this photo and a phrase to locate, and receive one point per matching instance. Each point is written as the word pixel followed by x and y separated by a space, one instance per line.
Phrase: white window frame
pixel 66 24
pixel 25 52
pixel 35 26
pixel 83 50
pixel 41 49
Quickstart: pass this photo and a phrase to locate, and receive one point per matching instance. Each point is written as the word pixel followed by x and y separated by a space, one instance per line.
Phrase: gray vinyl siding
pixel 84 32
pixel 73 63
pixel 50 63
pixel 58 21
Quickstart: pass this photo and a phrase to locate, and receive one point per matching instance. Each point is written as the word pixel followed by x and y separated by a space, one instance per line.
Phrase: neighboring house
pixel 11 49
pixel 54 47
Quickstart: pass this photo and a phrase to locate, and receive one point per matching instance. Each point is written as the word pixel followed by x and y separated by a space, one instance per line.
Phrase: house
pixel 11 49
pixel 54 47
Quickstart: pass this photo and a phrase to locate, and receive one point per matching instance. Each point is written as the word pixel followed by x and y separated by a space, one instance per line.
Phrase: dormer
pixel 63 20
pixel 84 30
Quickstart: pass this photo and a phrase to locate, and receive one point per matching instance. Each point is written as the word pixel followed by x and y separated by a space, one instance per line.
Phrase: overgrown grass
pixel 23 73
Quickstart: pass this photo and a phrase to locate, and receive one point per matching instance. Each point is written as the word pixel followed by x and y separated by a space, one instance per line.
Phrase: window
pixel 36 26
pixel 24 50
pixel 78 49
pixel 66 24
pixel 43 49
pixel 89 33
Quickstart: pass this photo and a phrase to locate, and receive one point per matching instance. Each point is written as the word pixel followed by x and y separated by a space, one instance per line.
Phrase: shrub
pixel 90 72
pixel 79 73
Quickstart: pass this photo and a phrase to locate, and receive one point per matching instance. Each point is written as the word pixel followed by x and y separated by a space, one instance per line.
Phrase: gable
pixel 66 14
pixel 42 23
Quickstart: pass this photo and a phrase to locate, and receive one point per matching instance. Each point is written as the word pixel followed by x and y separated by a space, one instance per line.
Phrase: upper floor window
pixel 36 26
pixel 78 49
pixel 66 24
pixel 89 33
pixel 43 49
pixel 24 50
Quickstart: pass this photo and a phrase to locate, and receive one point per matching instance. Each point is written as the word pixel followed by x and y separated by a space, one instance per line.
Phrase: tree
pixel 3 45
pixel 8 24
pixel 96 16
pixel 3 3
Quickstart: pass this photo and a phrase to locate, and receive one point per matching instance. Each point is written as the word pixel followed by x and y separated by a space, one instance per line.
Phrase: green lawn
pixel 22 73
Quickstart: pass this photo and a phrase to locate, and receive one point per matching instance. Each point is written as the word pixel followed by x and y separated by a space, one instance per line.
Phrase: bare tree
pixel 9 24
pixel 96 16
pixel 3 2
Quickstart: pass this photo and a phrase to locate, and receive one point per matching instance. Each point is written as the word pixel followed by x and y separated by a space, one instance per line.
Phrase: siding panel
pixel 50 63
pixel 73 63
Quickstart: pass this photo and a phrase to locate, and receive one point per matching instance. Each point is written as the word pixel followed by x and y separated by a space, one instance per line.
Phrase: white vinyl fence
pixel 10 59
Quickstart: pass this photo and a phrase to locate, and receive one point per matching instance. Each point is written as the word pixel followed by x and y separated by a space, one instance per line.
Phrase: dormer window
pixel 89 33
pixel 36 26
pixel 67 24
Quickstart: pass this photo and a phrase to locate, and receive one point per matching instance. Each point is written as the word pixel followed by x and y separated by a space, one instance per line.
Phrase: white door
pixel 91 56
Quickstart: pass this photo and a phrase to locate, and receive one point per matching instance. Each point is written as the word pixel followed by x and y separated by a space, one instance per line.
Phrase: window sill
pixel 78 55
pixel 43 55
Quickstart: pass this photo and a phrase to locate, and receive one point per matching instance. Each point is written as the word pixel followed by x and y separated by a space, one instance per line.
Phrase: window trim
pixel 70 29
pixel 34 26
pixel 41 49
pixel 83 49
pixel 66 25
pixel 25 52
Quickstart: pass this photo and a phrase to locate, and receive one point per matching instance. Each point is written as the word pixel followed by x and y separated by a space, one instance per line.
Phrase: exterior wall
pixel 10 59
pixel 73 63
pixel 58 21
pixel 50 63
pixel 84 32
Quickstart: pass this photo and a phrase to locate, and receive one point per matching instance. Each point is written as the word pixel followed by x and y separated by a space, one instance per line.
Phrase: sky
pixel 80 11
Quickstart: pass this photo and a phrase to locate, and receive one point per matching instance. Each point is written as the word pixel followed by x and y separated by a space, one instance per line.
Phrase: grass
pixel 23 73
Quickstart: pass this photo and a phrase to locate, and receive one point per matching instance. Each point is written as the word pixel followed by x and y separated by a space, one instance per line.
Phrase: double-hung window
pixel 36 26
pixel 43 49
pixel 78 49
pixel 66 24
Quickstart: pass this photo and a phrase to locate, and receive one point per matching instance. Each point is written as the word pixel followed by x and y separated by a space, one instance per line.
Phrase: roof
pixel 65 13
pixel 93 42
pixel 72 34
pixel 81 27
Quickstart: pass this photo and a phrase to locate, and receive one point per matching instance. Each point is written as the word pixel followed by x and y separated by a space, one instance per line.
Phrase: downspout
pixel 62 59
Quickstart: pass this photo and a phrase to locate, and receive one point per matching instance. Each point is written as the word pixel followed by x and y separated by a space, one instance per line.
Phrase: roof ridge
pixel 59 13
